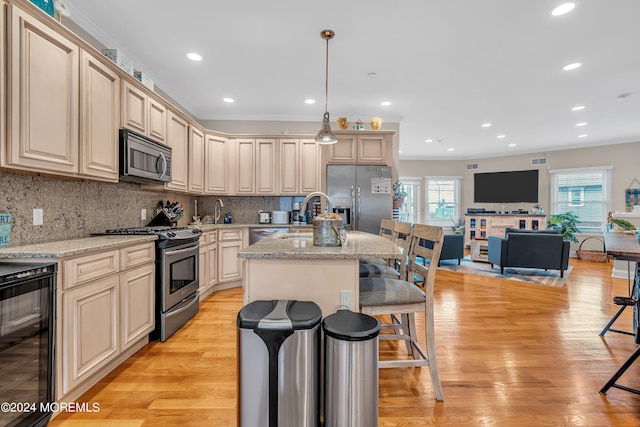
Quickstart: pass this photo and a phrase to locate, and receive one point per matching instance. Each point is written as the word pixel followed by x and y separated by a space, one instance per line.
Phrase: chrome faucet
pixel 303 206
pixel 216 210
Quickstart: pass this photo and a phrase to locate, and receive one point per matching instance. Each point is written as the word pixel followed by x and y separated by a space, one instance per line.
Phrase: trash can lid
pixel 279 315
pixel 349 326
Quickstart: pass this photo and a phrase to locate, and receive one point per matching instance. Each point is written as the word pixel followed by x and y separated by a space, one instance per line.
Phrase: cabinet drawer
pixel 213 236
pixel 226 235
pixel 84 269
pixel 506 222
pixel 137 255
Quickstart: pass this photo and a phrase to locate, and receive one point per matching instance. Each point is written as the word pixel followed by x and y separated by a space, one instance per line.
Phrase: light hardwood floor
pixel 509 353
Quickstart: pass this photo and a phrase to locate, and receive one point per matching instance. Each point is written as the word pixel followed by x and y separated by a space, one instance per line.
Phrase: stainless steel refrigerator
pixel 363 195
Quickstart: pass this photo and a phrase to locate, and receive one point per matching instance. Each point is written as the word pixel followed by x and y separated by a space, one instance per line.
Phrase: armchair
pixel 529 249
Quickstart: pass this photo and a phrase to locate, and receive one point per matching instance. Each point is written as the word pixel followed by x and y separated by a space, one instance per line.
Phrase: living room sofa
pixel 545 249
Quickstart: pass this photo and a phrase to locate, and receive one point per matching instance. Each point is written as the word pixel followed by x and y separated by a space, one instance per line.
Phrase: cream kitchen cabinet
pixel 208 263
pixel 106 309
pixel 230 242
pixel 364 147
pixel 299 166
pixel 43 94
pixel 196 160
pixel 143 114
pixel 178 140
pixel 99 119
pixel 216 164
pixel 255 166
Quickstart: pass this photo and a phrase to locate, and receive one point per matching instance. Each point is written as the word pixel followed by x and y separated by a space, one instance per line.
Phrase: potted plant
pixel 398 194
pixel 567 223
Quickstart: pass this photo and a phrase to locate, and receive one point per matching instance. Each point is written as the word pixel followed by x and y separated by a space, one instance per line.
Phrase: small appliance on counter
pixel 264 217
pixel 280 217
pixel 295 213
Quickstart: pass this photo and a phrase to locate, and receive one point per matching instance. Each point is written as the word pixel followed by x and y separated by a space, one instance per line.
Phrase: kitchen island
pixel 289 266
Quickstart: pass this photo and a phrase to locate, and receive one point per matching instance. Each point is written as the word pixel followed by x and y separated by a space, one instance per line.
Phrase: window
pixel 442 201
pixel 586 192
pixel 409 210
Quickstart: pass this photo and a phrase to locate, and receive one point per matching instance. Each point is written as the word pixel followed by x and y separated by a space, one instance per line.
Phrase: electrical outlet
pixel 143 214
pixel 38 217
pixel 346 299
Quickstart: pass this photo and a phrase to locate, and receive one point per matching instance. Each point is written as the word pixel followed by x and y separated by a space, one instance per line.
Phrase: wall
pixel 623 157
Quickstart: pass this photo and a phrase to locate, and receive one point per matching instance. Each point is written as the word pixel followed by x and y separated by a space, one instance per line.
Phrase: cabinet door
pixel 245 174
pixel 44 97
pixel 157 121
pixel 134 108
pixel 309 168
pixel 99 119
pixel 229 265
pixel 212 262
pixel 372 149
pixel 137 304
pixel 196 160
pixel 216 162
pixel 265 166
pixel 90 330
pixel 289 167
pixel 178 140
pixel 343 151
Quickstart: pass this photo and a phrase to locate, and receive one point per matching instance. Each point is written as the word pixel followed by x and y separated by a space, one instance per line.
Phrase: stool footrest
pixel 628 301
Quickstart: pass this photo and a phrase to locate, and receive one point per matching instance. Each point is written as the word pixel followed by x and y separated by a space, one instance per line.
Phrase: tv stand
pixel 478 227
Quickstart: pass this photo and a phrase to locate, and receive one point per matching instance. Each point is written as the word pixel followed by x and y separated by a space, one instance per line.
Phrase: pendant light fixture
pixel 325 135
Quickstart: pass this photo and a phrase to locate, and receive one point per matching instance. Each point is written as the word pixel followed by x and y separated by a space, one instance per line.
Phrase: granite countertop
pixel 67 248
pixel 211 227
pixel 299 245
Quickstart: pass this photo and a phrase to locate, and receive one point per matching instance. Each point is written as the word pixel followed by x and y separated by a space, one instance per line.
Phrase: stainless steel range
pixel 177 282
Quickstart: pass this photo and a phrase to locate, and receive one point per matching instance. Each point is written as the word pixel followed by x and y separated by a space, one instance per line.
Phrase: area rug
pixel 530 275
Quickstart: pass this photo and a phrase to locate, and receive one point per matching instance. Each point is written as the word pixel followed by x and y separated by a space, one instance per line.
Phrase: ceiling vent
pixel 540 161
pixel 471 166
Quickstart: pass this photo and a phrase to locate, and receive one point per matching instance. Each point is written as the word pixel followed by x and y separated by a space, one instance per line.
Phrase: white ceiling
pixel 447 66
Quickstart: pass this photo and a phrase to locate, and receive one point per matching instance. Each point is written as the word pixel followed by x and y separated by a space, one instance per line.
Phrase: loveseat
pixel 545 249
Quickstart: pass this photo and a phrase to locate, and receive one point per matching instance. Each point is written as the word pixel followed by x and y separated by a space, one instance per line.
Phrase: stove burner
pixel 145 230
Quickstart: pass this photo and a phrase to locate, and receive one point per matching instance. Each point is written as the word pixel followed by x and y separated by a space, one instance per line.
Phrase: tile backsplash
pixel 74 208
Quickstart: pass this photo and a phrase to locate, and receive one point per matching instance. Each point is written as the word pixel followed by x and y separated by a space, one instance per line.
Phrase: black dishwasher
pixel 27 313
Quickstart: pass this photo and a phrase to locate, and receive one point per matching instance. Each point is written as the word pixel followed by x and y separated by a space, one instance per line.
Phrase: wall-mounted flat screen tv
pixel 506 187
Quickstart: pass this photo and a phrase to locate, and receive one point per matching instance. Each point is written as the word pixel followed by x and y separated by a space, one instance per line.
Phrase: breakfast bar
pixel 289 266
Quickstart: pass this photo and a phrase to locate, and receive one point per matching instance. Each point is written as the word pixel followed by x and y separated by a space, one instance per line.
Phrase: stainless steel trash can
pixel 278 364
pixel 351 369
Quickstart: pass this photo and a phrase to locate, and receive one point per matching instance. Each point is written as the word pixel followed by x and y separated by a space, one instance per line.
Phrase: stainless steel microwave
pixel 142 159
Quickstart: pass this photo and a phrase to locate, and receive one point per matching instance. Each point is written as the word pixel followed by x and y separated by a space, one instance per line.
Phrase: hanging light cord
pixel 326 80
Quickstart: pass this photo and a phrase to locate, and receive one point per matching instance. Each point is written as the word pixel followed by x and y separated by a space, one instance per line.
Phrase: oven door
pixel 179 275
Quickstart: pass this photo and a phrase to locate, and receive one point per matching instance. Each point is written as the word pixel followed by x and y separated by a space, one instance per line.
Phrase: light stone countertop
pixel 67 248
pixel 299 245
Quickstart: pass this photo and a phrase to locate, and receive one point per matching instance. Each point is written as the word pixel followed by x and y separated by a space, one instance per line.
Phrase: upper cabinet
pixel 178 140
pixel 143 114
pixel 43 90
pixel 216 164
pixel 196 160
pixel 99 119
pixel 299 166
pixel 363 147
pixel 266 161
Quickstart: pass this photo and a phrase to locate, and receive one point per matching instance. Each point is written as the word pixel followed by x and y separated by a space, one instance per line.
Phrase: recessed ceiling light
pixel 229 100
pixel 584 135
pixel 578 108
pixel 372 75
pixel 571 66
pixel 450 149
pixel 512 145
pixel 309 101
pixel 581 124
pixel 563 8
pixel 428 140
pixel 385 103
pixel 500 136
pixel 194 56
pixel 486 125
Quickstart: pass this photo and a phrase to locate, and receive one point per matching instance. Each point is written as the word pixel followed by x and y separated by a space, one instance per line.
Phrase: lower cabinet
pixel 102 316
pixel 208 263
pixel 230 243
